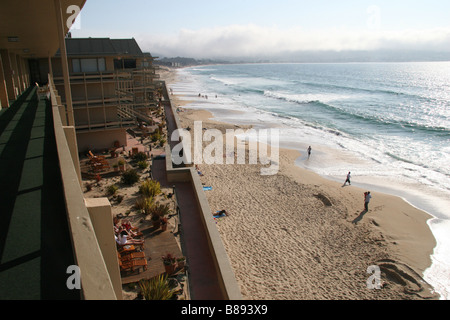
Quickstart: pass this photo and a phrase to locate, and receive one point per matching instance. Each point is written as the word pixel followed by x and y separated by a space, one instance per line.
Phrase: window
pixel 129 63
pixel 76 65
pixel 124 64
pixel 89 65
pixel 101 64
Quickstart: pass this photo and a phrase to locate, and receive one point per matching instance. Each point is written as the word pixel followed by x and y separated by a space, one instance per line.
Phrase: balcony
pixel 46 226
pixel 105 125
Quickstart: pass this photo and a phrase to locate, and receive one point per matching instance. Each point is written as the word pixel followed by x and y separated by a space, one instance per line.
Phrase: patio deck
pixel 157 244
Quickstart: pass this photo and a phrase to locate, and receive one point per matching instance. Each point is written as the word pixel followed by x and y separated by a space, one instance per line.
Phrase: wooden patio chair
pixel 130 248
pixel 133 264
pixel 98 163
pixel 92 156
pixel 133 255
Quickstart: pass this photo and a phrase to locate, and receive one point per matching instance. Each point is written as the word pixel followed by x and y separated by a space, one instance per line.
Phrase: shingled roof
pixel 102 47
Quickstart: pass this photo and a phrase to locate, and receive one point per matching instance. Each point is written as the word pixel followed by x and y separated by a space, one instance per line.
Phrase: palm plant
pixel 145 204
pixel 156 288
pixel 159 210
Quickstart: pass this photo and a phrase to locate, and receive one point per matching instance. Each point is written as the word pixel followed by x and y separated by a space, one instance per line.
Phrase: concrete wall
pixel 222 263
pixel 95 115
pixel 99 140
pixel 95 279
pixel 102 219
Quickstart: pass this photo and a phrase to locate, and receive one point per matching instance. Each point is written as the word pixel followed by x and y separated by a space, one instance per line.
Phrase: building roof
pixel 102 47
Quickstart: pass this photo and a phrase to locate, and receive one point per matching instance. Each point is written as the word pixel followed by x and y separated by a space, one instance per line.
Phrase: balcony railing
pixel 95 280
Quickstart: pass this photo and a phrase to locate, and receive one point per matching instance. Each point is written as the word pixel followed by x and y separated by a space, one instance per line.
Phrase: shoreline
pixel 381 230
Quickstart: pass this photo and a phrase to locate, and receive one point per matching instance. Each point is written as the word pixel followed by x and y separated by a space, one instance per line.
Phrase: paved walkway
pixel 203 274
pixel 35 247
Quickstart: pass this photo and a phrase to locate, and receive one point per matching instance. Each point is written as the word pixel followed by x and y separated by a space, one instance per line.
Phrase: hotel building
pixel 55 243
pixel 112 84
pixel 48 231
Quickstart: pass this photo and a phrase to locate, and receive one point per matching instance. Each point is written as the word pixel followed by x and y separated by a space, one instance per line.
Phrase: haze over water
pixel 387 123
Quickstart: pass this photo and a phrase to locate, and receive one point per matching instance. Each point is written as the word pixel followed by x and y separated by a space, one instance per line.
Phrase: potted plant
pixel 181 262
pixel 169 262
pixel 163 221
pixel 156 221
pixel 121 164
pixel 160 210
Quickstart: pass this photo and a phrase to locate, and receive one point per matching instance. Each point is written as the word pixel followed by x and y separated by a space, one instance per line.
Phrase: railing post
pixel 64 64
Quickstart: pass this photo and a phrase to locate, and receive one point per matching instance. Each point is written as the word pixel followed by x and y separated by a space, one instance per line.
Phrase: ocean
pixel 387 123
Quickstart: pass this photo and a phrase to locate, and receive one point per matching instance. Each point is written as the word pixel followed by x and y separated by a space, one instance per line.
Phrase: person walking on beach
pixel 309 151
pixel 348 179
pixel 367 198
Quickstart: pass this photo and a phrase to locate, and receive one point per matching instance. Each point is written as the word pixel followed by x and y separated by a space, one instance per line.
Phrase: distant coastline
pixel 313 57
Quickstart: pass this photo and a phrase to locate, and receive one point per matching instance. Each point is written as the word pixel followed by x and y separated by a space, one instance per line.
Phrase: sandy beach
pixel 296 235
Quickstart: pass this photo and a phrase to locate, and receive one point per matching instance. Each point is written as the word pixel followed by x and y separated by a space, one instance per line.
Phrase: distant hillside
pixel 186 62
pixel 317 57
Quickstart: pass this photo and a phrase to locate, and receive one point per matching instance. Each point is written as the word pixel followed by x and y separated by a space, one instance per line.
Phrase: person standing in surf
pixel 367 198
pixel 309 151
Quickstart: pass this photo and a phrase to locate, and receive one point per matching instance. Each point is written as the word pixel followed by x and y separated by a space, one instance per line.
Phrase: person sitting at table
pixel 124 239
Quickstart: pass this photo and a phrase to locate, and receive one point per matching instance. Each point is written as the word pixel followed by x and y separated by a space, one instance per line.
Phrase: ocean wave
pixel 358 89
pixel 324 101
pixel 226 81
pixel 304 98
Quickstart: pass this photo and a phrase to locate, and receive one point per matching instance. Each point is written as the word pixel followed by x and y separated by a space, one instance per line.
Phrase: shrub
pixel 140 156
pixel 130 177
pixel 150 188
pixel 143 164
pixel 88 187
pixel 155 136
pixel 112 189
pixel 144 203
pixel 156 288
pixel 159 210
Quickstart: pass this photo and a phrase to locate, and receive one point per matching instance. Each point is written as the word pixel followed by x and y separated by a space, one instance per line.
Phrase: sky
pixel 268 28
